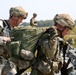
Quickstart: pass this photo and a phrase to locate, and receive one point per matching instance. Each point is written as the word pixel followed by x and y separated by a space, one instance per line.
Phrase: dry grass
pixel 71 37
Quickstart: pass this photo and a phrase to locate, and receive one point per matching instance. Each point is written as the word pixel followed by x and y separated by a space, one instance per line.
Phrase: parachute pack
pixel 23 37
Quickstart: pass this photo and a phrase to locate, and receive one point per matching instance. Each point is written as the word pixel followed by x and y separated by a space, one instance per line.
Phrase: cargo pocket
pixel 44 68
pixel 14 48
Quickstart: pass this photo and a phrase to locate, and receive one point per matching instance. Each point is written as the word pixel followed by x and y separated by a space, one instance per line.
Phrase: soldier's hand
pixel 7 39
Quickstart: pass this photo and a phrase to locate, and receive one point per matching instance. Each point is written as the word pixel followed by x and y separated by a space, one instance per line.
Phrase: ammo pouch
pixel 14 48
pixel 27 58
pixel 48 67
pixel 44 67
pixel 15 51
pixel 21 57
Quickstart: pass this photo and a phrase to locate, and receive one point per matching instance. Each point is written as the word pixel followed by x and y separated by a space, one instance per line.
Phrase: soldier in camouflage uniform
pixel 49 59
pixel 16 16
pixel 33 21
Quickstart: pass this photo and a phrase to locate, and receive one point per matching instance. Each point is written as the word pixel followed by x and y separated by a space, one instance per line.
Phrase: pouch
pixel 44 68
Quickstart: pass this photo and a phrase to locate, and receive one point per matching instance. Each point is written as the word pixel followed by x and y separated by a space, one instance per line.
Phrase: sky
pixel 46 9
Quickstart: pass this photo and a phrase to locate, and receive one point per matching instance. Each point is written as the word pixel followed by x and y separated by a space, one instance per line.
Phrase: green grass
pixel 71 37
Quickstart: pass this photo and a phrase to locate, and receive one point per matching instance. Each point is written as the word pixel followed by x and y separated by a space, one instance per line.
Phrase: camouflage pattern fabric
pixel 9 68
pixel 47 62
pixel 18 11
pixel 37 72
pixel 24 38
pixel 64 20
pixel 5 69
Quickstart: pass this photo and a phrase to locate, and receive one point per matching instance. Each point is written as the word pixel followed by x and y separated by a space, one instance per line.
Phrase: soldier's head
pixel 17 15
pixel 34 14
pixel 18 11
pixel 64 23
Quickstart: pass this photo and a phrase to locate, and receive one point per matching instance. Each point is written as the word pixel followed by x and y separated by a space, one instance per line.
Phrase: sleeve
pixel 48 43
pixel 2 41
pixel 1 26
pixel 1 23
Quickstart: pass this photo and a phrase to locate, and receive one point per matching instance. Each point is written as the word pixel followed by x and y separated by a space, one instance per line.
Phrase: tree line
pixel 42 23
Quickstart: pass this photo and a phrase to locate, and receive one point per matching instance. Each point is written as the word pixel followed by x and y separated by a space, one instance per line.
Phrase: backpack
pixel 26 38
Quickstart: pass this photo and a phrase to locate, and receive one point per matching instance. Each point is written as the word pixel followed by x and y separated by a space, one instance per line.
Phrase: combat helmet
pixel 64 20
pixel 18 11
pixel 34 14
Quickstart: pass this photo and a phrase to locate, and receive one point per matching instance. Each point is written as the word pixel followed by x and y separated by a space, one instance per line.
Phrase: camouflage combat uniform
pixel 3 49
pixel 49 56
pixel 48 60
pixel 5 30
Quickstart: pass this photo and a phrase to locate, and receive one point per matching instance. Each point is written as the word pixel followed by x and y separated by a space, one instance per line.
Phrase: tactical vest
pixel 3 48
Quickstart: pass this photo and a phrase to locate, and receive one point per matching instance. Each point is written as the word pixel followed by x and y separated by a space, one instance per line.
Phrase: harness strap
pixel 5 23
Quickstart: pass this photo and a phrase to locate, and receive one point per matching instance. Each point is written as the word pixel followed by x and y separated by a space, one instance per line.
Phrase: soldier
pixel 33 21
pixel 49 59
pixel 16 16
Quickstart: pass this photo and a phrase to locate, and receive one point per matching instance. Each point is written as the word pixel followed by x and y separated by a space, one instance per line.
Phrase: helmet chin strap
pixel 16 22
pixel 61 32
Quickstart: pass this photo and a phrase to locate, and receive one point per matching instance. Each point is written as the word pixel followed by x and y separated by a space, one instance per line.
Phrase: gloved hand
pixel 57 66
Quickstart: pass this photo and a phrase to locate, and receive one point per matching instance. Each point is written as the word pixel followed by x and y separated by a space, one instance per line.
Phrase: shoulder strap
pixel 5 23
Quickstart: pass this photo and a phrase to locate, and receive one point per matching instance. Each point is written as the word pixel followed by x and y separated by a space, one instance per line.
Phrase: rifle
pixel 64 45
pixel 72 56
pixel 64 70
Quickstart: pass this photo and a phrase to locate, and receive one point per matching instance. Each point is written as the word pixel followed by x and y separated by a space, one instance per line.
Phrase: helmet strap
pixel 61 32
pixel 16 22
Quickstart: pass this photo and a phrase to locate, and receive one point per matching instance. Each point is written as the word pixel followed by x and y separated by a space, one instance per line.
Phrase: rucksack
pixel 23 37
